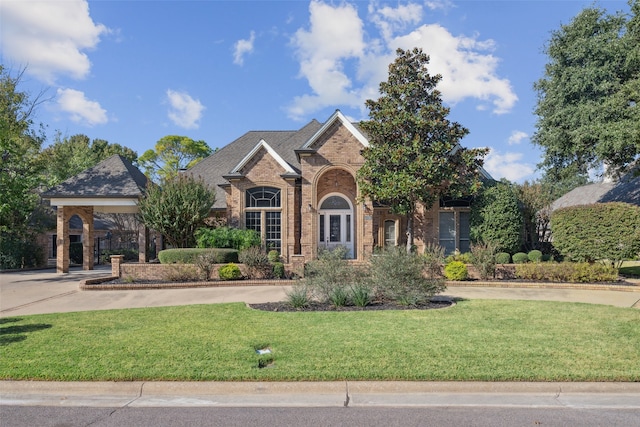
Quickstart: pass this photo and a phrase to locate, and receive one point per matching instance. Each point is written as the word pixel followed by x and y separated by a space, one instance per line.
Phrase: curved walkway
pixel 45 291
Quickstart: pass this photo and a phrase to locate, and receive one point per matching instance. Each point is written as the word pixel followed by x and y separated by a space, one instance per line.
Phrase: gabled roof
pixel 214 168
pixel 114 177
pixel 336 116
pixel 259 146
pixel 626 190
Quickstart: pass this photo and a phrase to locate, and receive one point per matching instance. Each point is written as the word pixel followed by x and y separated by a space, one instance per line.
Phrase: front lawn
pixel 475 340
pixel 630 269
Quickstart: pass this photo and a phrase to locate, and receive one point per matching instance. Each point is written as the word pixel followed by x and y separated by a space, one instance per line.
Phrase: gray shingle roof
pixel 114 177
pixel 626 190
pixel 213 169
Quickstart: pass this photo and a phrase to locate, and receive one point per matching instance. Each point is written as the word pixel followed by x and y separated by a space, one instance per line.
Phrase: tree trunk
pixel 409 232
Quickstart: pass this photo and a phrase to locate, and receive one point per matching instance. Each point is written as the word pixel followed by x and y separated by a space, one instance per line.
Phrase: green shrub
pixel 278 270
pixel 484 259
pixel 331 270
pixel 503 258
pixel 456 270
pixel 17 252
pixel 227 237
pixel 567 272
pixel 257 263
pixel 400 277
pixel 535 256
pixel 190 255
pixel 299 296
pixel 339 296
pixel 602 231
pixel 274 256
pixel 520 258
pixel 496 217
pixel 229 272
pixel 361 294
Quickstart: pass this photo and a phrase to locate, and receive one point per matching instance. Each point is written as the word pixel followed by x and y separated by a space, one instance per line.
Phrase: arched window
pixel 263 214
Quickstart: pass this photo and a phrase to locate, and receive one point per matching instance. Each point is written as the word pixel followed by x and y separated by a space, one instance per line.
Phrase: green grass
pixel 475 340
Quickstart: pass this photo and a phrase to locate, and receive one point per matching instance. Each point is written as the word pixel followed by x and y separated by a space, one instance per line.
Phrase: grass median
pixel 476 340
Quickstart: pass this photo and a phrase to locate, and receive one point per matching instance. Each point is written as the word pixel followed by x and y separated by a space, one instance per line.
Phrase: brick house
pixel 299 190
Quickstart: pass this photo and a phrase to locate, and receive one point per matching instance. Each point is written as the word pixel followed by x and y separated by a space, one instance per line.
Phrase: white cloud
pixel 390 20
pixel 342 69
pixel 335 36
pixel 184 111
pixel 466 64
pixel 81 109
pixel 243 47
pixel 49 37
pixel 516 137
pixel 508 165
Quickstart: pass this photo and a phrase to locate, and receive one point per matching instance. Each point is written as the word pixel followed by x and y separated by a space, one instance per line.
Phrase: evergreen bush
pixel 520 258
pixel 456 270
pixel 602 231
pixel 278 270
pixel 503 258
pixel 229 272
pixel 399 276
pixel 535 256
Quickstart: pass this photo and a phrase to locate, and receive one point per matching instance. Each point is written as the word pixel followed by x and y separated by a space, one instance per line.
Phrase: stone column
pixel 143 234
pixel 62 241
pixel 87 237
pixel 116 262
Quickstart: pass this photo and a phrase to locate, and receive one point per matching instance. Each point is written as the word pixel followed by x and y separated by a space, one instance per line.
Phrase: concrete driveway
pixel 45 291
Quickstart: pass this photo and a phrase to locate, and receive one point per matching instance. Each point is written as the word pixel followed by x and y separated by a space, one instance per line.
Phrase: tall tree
pixel 177 209
pixel 414 155
pixel 496 217
pixel 588 112
pixel 171 154
pixel 70 156
pixel 20 170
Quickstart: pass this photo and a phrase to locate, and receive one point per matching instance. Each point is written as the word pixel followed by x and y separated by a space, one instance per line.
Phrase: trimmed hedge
pixel 535 256
pixel 520 258
pixel 190 255
pixel 567 272
pixel 503 258
pixel 602 231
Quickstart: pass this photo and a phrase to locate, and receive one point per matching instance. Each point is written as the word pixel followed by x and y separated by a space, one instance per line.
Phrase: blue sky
pixel 132 72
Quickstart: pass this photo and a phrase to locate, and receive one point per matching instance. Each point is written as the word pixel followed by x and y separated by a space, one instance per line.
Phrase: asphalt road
pixel 16 416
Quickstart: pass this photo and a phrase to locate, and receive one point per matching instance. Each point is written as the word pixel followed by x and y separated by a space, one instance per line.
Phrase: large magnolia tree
pixel 414 156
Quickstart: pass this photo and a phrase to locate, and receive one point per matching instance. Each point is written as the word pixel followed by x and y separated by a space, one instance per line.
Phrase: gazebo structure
pixel 112 186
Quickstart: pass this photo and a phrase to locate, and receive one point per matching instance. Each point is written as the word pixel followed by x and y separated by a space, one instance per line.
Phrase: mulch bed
pixel 317 306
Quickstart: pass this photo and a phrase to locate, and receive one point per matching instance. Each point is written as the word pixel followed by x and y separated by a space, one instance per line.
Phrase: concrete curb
pixel 320 394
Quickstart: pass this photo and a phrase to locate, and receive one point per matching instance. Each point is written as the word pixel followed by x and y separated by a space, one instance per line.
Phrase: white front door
pixel 336 224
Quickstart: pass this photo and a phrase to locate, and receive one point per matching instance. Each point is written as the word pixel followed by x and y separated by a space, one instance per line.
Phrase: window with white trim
pixel 263 213
pixel 454 231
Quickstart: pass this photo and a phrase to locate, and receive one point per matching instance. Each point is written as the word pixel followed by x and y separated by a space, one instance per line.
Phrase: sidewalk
pixel 321 394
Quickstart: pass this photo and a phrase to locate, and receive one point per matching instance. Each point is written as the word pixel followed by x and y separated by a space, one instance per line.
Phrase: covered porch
pixel 112 186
